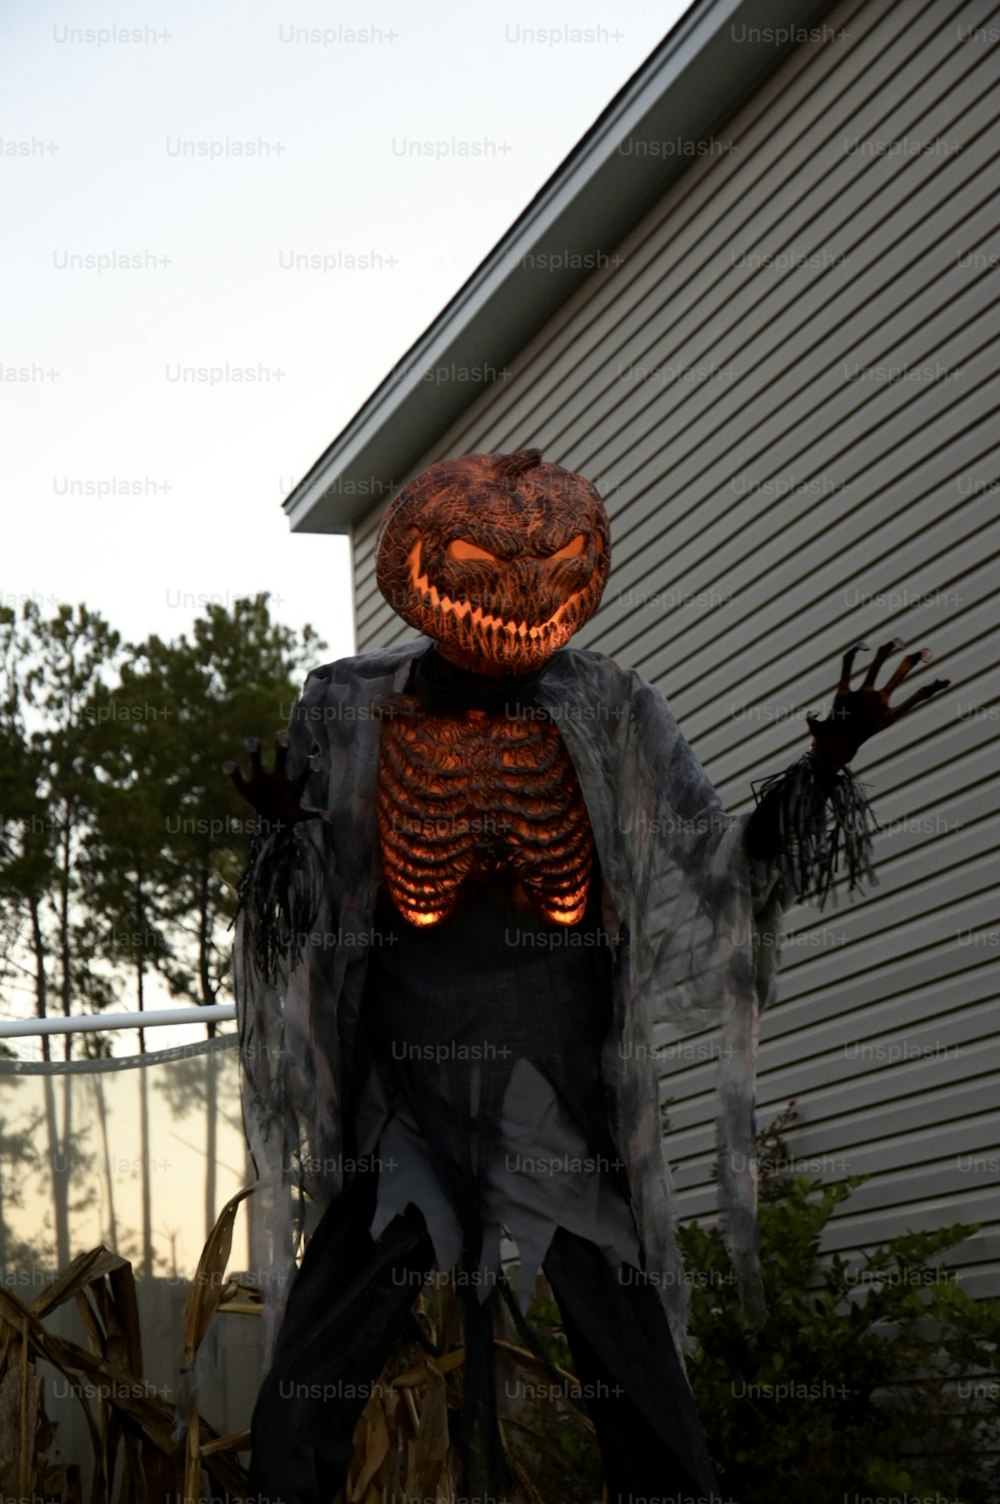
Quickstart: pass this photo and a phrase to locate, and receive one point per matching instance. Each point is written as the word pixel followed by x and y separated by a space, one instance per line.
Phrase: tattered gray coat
pixel 692 921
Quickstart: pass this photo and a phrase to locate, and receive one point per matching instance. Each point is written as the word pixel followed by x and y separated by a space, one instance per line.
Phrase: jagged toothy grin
pixel 478 619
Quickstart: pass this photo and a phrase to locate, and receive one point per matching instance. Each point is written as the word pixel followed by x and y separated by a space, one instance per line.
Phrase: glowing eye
pixel 573 549
pixel 460 548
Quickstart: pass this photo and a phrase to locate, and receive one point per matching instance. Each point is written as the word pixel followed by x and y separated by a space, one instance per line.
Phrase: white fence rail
pixel 20 1028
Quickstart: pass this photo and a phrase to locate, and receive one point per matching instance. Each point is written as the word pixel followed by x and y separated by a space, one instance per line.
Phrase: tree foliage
pixel 121 838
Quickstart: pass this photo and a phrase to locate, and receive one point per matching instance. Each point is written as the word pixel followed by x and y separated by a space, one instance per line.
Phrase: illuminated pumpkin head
pixel 499 557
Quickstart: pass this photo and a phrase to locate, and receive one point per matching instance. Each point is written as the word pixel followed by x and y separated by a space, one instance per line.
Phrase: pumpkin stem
pixel 510 466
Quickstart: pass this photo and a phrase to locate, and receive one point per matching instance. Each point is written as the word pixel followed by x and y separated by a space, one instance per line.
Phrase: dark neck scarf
pixel 441 685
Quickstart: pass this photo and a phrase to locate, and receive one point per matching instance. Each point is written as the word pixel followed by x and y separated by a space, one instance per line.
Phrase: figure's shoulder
pixel 586 670
pixel 570 664
pixel 363 668
pixel 590 686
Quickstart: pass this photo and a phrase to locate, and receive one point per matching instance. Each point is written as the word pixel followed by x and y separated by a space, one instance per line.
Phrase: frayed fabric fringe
pixel 820 816
pixel 279 895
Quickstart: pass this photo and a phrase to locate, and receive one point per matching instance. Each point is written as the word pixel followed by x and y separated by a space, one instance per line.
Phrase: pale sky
pixel 154 193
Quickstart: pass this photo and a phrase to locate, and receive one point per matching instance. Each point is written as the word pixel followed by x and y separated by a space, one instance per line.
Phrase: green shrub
pixel 879 1379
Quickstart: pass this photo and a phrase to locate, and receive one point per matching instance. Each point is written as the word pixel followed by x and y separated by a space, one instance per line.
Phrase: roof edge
pixel 705 67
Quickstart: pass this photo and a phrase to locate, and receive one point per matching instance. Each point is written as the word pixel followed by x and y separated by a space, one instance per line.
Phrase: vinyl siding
pixel 786 503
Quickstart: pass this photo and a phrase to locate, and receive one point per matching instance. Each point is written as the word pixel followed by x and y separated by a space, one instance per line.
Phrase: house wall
pixel 776 493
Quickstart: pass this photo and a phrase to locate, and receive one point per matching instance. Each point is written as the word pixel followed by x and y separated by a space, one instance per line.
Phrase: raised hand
pixel 860 713
pixel 275 796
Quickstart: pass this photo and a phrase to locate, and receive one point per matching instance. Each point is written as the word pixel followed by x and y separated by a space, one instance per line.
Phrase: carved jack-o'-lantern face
pixel 500 558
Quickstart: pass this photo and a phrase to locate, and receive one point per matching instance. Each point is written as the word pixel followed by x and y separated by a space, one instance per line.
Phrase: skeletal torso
pixel 478 795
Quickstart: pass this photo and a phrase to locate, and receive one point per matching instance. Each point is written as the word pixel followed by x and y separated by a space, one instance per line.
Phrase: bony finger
pixel 236 775
pixel 847 666
pixel 885 651
pixel 919 697
pixel 928 690
pixel 904 668
pixel 253 747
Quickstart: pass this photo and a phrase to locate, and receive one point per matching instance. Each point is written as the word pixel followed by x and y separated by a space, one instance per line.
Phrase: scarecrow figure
pixel 486 865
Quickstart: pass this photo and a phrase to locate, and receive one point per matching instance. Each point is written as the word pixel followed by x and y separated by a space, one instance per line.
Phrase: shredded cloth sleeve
pixel 806 819
pixel 284 930
pixel 278 896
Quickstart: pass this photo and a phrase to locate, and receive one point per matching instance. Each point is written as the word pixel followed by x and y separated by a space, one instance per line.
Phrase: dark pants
pixel 353 1296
